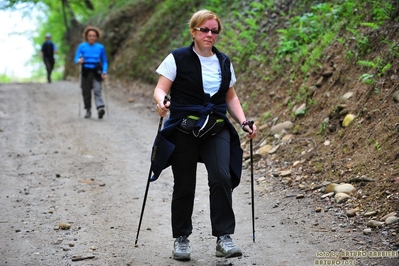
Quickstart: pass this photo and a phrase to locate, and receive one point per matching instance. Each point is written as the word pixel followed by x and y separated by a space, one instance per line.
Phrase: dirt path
pixel 57 167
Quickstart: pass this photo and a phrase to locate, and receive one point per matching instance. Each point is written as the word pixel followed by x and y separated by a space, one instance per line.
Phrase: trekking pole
pixel 105 96
pixel 252 190
pixel 250 123
pixel 80 85
pixel 154 151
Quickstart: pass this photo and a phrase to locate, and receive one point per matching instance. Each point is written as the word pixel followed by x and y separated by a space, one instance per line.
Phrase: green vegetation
pixel 150 32
pixel 5 79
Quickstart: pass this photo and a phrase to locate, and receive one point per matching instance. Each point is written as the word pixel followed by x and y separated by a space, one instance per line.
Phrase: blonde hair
pixel 199 17
pixel 91 28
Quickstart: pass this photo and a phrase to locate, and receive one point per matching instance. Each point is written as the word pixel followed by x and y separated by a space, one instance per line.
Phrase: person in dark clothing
pixel 199 80
pixel 93 60
pixel 48 50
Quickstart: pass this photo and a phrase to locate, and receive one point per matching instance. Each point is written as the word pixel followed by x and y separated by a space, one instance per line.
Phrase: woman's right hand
pixel 81 60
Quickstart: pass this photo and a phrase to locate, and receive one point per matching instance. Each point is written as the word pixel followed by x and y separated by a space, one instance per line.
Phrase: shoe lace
pixel 226 241
pixel 183 242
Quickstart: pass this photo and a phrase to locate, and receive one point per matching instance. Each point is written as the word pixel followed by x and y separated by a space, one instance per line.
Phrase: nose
pixel 209 33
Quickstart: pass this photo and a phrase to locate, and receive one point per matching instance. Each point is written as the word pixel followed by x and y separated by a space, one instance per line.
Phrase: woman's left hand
pixel 251 129
pixel 104 76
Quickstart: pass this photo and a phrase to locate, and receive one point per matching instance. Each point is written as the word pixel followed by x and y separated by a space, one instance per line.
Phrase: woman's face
pixel 203 35
pixel 91 36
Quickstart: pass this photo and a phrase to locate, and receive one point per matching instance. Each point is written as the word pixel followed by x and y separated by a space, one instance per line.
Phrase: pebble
pixel 351 212
pixel 374 224
pixel 395 96
pixel 344 188
pixel 279 127
pixel 372 213
pixel 341 197
pixel 261 179
pixel 327 195
pixel 264 149
pixel 64 226
pixel 348 120
pixel 275 173
pixel 285 173
pixel 347 95
pixel 391 220
pixel 367 231
pixel 386 216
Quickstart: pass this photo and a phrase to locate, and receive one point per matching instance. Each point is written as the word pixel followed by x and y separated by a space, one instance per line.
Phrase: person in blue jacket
pixel 94 65
pixel 199 79
pixel 47 52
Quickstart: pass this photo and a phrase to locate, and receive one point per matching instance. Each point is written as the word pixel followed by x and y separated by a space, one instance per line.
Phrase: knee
pixel 222 180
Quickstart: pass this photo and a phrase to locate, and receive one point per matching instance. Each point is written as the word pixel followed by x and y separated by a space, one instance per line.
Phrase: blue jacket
pixel 195 102
pixel 92 55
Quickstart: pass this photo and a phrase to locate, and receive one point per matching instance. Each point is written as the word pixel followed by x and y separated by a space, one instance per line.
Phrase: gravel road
pixel 59 168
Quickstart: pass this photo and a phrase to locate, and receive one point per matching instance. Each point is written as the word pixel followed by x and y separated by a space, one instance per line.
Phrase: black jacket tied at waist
pixel 164 148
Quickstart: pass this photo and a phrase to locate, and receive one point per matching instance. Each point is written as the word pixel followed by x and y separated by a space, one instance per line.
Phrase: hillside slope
pixel 307 62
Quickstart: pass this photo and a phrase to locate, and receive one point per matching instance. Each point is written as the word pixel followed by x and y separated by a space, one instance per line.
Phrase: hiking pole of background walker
pixel 154 151
pixel 105 96
pixel 80 85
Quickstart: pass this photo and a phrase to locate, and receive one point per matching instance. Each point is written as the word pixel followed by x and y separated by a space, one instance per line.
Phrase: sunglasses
pixel 206 30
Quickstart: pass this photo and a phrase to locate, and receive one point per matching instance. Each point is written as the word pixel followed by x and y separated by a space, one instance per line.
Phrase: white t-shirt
pixel 211 76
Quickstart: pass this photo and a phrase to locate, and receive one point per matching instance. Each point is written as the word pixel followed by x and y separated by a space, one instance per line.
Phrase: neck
pixel 203 52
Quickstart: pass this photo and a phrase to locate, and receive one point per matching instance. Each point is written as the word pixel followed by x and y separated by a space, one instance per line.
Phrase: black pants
pixel 215 153
pixel 49 63
pixel 88 84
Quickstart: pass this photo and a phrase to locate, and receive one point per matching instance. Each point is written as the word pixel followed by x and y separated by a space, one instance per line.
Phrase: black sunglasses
pixel 206 30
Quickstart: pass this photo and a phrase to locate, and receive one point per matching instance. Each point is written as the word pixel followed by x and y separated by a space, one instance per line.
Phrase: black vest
pixel 48 50
pixel 187 88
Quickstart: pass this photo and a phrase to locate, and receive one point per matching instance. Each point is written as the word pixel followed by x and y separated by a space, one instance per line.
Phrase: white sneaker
pixel 181 249
pixel 226 248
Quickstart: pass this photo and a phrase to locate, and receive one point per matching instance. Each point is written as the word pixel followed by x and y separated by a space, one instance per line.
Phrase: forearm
pixel 159 95
pixel 104 61
pixel 235 110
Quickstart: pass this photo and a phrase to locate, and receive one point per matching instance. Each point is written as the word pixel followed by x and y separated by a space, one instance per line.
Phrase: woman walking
pixel 93 60
pixel 200 79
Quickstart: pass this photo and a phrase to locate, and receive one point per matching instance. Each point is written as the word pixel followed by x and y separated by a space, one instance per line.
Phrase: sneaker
pixel 101 112
pixel 181 249
pixel 226 248
pixel 88 114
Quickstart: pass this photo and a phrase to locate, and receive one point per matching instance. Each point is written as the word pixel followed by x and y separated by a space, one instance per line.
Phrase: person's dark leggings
pixel 49 63
pixel 89 83
pixel 215 153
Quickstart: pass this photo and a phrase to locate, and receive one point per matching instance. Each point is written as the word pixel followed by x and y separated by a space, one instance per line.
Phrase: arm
pixel 162 89
pixel 78 55
pixel 104 60
pixel 41 51
pixel 235 110
pixel 55 49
